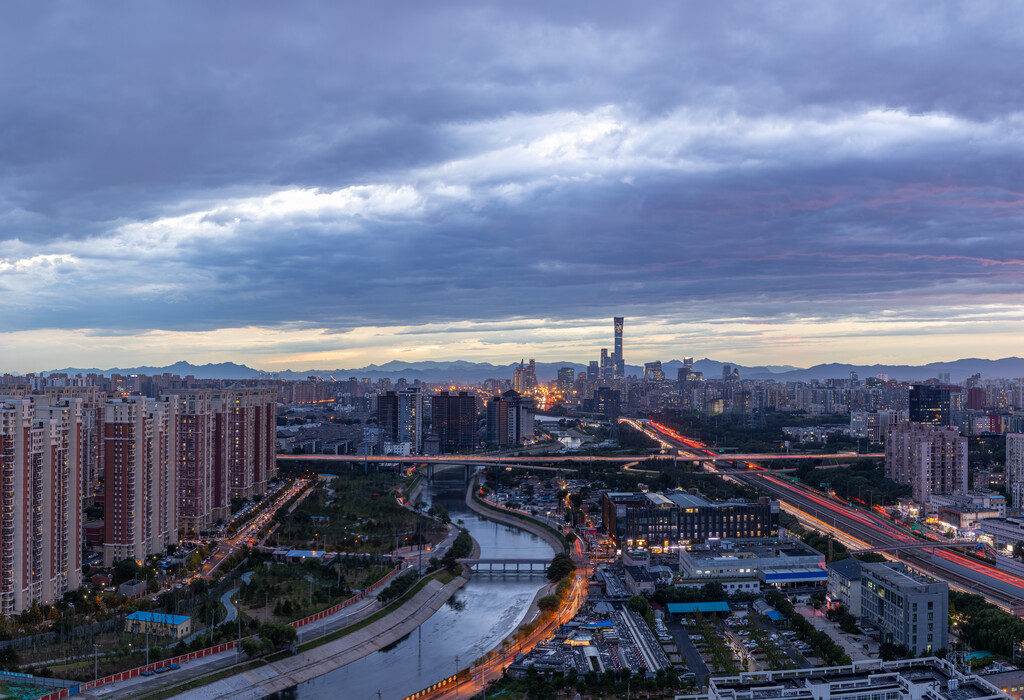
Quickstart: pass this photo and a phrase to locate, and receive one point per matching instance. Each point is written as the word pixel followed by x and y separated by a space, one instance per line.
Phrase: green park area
pixel 286 591
pixel 356 512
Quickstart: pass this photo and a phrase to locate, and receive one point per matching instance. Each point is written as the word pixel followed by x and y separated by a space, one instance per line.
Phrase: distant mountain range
pixel 462 371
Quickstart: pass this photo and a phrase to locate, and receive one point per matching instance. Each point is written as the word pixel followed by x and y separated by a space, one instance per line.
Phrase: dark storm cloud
pixel 197 166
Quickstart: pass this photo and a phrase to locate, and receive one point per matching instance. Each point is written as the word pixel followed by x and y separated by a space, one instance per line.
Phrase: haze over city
pixel 335 186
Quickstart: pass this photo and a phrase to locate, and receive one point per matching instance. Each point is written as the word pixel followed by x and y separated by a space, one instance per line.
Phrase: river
pixel 474 621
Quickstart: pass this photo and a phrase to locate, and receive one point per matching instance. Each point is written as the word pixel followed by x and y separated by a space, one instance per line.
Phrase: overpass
pixel 918 545
pixel 569 459
pixel 508 566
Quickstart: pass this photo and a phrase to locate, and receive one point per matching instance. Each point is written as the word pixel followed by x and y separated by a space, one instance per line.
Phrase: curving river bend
pixel 474 621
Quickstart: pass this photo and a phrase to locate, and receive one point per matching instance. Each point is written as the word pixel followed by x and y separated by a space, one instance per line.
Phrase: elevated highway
pixel 864 529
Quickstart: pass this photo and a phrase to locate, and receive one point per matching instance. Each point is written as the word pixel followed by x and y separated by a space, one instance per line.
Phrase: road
pixel 864 528
pixel 493 668
pixel 248 533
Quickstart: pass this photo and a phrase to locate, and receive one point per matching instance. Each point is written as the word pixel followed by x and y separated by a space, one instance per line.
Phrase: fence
pixel 354 599
pixel 226 646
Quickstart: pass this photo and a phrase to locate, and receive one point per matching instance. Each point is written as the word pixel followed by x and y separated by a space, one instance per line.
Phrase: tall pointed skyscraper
pixel 618 362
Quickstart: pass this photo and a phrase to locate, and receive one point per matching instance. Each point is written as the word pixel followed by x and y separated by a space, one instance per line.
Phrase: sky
pixel 329 185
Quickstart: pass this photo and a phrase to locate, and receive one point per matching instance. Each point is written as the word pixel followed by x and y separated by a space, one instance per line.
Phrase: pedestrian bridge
pixel 507 566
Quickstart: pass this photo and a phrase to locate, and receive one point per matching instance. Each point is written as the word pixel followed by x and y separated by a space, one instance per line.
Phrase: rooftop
pixel 160 618
pixel 847 568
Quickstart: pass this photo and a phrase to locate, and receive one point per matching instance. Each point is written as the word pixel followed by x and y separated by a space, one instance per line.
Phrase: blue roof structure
pixel 160 618
pixel 305 553
pixel 690 608
pixel 775 616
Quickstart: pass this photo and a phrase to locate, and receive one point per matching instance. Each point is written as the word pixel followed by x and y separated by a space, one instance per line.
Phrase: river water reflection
pixel 474 621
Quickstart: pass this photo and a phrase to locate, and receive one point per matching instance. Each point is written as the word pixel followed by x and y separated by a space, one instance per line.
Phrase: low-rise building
pixel 844 585
pixel 1002 531
pixel 639 580
pixel 774 561
pixel 158 624
pixel 912 679
pixel 981 499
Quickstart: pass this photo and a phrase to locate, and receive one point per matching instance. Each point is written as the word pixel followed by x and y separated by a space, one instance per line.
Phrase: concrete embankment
pixel 527 524
pixel 283 674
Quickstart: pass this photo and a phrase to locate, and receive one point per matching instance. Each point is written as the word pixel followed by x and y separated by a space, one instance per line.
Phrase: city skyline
pixel 790 184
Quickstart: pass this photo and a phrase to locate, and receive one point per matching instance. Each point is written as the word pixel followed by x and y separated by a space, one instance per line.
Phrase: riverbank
pixel 513 520
pixel 283 674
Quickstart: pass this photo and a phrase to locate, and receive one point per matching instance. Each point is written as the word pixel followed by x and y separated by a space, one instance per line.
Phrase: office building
pixel 41 530
pixel 653 372
pixel 681 518
pixel 509 419
pixel 929 458
pixel 909 608
pixel 873 425
pixel 453 419
pixel 930 404
pixel 593 371
pixel 604 401
pixel 400 417
pixel 607 366
pixel 566 378
pixel 1014 472
pixel 139 477
pixel 618 364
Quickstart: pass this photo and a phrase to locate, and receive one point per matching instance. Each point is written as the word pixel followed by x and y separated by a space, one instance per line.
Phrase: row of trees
pixel 823 644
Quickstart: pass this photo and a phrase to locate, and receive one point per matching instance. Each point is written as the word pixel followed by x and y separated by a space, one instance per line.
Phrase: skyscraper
pixel 566 376
pixel 509 419
pixel 620 364
pixel 400 416
pixel 653 372
pixel 929 404
pixel 453 420
pixel 607 365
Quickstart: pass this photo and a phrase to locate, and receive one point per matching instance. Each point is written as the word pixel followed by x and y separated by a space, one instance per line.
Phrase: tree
pixel 548 603
pixel 561 566
pixel 251 647
pixel 638 604
pixel 277 634
pixel 126 570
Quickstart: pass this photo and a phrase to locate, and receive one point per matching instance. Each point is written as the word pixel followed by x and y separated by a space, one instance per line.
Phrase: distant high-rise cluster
pixel 618 361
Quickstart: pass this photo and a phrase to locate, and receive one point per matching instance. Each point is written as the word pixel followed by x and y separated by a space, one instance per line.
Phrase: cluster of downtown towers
pixel 169 464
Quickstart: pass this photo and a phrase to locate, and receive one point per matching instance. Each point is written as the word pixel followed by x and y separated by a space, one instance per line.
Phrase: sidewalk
pixel 851 644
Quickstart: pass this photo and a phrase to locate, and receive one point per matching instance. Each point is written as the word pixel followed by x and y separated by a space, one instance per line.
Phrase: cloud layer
pixel 336 184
